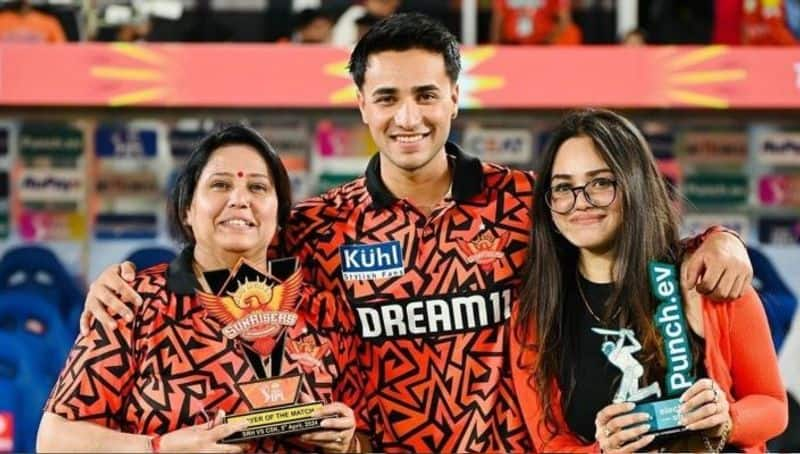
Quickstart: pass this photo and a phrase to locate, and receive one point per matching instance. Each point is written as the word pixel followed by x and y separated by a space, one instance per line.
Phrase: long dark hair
pixel 649 231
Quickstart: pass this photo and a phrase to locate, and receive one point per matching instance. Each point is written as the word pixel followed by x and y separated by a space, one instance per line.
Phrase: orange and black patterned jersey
pixel 172 367
pixel 431 297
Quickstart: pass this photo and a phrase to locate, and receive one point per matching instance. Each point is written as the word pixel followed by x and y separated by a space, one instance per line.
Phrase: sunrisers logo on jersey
pixel 371 261
pixel 485 249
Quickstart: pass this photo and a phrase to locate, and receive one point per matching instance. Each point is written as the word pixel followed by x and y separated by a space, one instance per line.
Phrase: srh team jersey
pixel 172 367
pixel 431 297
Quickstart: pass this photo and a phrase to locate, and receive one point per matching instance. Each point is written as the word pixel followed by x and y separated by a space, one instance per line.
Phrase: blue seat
pixel 18 375
pixel 147 257
pixel 36 322
pixel 36 268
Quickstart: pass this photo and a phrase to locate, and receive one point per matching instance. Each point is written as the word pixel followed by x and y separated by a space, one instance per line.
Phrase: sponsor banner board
pixel 121 142
pixel 50 225
pixel 504 146
pixel 779 190
pixel 713 147
pixel 182 143
pixel 51 184
pixel 114 226
pixel 718 189
pixel 337 139
pixel 287 136
pixel 779 148
pixel 111 184
pixel 779 230
pixel 50 144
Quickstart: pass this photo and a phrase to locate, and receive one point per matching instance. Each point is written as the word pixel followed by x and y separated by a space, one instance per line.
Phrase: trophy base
pixel 276 421
pixel 664 416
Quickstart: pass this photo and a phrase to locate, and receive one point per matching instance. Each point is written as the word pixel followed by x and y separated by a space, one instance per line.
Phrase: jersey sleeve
pixel 304 222
pixel 313 235
pixel 98 374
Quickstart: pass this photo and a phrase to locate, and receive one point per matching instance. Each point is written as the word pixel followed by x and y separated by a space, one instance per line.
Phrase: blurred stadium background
pixel 101 100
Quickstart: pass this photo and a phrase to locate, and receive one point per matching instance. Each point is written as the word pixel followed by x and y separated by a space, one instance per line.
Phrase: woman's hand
pixel 337 433
pixel 618 430
pixel 204 437
pixel 705 406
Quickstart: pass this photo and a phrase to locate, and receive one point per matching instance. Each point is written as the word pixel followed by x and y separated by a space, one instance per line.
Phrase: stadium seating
pixel 40 328
pixel 36 268
pixel 18 376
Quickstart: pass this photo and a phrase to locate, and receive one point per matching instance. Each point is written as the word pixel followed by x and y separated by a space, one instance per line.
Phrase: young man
pixel 427 249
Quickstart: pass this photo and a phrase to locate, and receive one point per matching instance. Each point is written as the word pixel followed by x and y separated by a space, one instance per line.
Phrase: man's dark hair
pixel 186 183
pixel 406 31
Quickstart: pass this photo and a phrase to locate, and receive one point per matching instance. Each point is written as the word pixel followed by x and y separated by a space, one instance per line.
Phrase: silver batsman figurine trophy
pixel 671 322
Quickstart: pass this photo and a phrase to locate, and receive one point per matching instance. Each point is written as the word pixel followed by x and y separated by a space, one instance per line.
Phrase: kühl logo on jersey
pixel 371 261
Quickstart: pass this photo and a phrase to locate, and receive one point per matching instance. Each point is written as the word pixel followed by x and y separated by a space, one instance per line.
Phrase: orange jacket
pixel 738 352
pixel 764 24
pixel 31 27
pixel 542 19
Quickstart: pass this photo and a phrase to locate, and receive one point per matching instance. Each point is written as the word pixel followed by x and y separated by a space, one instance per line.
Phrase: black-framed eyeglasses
pixel 599 193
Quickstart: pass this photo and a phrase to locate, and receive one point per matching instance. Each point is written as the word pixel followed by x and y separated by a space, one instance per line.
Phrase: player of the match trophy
pixel 257 309
pixel 671 322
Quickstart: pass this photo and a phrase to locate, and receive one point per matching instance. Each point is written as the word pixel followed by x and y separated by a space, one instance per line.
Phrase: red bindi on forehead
pixel 240 174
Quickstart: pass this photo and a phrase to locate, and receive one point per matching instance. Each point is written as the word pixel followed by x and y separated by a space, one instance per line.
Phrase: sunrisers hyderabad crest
pixel 256 311
pixel 484 249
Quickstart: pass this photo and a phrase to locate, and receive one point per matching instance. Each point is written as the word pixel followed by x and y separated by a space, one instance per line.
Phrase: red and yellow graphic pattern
pixel 284 75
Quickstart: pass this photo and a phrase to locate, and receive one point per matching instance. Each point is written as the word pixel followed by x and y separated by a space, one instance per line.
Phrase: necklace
pixel 586 302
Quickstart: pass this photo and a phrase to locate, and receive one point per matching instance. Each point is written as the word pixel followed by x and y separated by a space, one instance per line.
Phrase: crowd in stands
pixel 341 22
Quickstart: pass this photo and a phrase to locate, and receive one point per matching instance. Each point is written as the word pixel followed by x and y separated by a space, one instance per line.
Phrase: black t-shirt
pixel 596 379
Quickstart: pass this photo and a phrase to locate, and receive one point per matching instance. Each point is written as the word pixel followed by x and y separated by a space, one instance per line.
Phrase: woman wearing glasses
pixel 584 329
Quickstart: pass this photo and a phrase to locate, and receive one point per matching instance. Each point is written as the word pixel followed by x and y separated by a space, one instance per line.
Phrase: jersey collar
pixel 467 178
pixel 180 276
